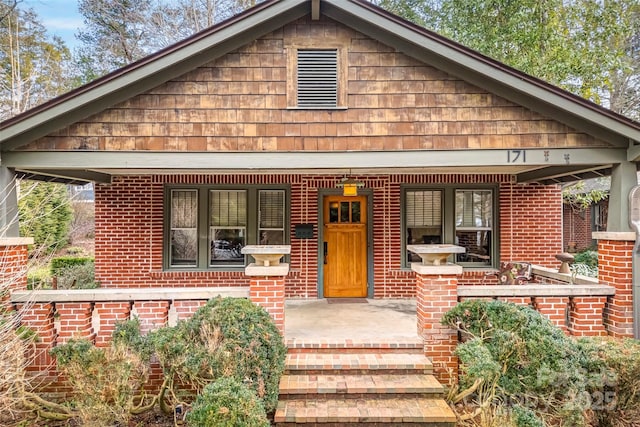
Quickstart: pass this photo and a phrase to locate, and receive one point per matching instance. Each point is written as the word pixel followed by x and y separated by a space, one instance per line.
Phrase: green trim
pixel 524 159
pixel 203 222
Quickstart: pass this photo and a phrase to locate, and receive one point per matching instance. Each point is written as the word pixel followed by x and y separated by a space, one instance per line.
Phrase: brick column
pixel 586 316
pixel 615 254
pixel 13 263
pixel 436 294
pixel 266 279
pixel 553 308
pixel 39 318
pixel 107 315
pixel 75 321
pixel 266 289
pixel 152 314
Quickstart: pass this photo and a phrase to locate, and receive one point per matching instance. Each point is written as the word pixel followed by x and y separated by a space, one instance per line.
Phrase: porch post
pixel 267 278
pixel 8 203
pixel 623 179
pixel 436 294
pixel 615 255
pixel 13 263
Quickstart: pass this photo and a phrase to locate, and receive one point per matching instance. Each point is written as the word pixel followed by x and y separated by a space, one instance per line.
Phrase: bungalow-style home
pixel 336 128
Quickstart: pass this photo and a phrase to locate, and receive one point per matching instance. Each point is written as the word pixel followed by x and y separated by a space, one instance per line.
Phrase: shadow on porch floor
pixel 378 321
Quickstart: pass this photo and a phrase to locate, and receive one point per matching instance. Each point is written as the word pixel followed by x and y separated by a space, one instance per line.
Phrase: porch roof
pixel 548 165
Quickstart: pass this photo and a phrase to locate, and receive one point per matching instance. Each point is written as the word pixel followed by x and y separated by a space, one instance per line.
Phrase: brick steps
pixel 383 412
pixel 327 363
pixel 359 385
pixel 330 387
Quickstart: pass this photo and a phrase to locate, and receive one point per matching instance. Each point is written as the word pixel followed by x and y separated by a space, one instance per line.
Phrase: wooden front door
pixel 345 246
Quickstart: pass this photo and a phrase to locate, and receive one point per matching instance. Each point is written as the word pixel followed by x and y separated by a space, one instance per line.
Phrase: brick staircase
pixel 360 383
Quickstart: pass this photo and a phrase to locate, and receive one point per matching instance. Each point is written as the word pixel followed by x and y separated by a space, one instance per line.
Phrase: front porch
pixel 376 322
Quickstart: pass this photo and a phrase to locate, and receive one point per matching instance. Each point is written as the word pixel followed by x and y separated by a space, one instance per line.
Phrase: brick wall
pixel 577 227
pixel 129 229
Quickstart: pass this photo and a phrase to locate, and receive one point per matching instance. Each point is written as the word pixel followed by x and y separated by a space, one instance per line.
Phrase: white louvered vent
pixel 317 78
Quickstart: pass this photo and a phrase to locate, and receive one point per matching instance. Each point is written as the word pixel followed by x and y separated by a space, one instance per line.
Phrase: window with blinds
pixel 317 78
pixel 183 246
pixel 228 226
pixel 271 217
pixel 474 225
pixel 423 218
pixel 207 226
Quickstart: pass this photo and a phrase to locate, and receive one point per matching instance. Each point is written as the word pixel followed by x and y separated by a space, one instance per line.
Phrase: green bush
pixel 74 272
pixel 516 357
pixel 227 402
pixel 615 398
pixel 107 382
pixel 39 278
pixel 81 276
pixel 62 263
pixel 44 211
pixel 588 257
pixel 226 337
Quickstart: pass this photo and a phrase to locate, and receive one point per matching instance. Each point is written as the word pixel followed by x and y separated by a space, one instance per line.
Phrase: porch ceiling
pixel 547 166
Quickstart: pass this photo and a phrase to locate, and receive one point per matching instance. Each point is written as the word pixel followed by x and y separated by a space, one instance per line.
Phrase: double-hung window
pixel 462 216
pixel 208 227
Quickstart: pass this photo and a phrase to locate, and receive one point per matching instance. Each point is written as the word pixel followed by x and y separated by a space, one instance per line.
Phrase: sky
pixel 60 17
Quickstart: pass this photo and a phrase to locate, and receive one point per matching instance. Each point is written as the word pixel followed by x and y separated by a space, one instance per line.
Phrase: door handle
pixel 326 251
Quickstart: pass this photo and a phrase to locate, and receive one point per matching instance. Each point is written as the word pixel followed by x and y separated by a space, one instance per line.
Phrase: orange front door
pixel 345 247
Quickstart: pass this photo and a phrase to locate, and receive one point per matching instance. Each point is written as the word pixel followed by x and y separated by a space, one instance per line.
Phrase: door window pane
pixel 355 212
pixel 344 212
pixel 183 234
pixel 333 212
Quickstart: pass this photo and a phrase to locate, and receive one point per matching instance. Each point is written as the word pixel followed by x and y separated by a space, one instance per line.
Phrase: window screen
pixel 183 230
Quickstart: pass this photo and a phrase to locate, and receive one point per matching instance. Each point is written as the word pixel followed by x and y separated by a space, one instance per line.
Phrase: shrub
pixel 62 263
pixel 588 257
pixel 107 382
pixel 251 344
pixel 45 214
pixel 227 402
pixel 516 357
pixel 81 276
pixel 39 278
pixel 226 337
pixel 615 398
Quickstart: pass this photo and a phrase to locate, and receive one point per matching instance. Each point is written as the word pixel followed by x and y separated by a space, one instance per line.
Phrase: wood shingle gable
pixel 238 103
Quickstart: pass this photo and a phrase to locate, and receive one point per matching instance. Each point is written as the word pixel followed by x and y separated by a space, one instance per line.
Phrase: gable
pixel 238 102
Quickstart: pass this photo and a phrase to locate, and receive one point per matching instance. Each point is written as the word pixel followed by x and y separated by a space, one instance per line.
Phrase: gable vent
pixel 317 78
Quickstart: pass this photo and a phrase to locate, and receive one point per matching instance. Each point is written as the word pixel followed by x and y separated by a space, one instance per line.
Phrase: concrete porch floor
pixel 381 320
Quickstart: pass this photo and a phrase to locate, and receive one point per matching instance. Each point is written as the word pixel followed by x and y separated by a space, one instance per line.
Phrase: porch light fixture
pixel 350 186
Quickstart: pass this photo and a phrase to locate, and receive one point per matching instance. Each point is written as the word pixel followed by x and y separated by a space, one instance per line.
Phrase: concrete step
pixel 356 386
pixel 357 363
pixel 375 412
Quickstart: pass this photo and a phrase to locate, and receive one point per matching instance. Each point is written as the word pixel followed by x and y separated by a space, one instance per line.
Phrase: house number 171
pixel 517 156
